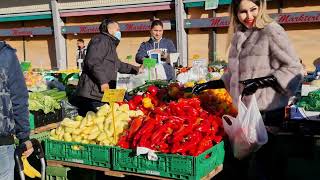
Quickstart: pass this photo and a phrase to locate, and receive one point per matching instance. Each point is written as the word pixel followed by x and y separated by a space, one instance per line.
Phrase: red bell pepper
pixel 216 138
pixel 204 127
pixel 123 141
pixel 153 90
pixel 148 125
pixel 190 111
pixel 163 147
pixel 143 109
pixel 160 110
pixel 182 132
pixel 147 128
pixel 132 105
pixel 191 144
pixel 162 133
pixel 135 125
pixel 137 99
pixel 145 140
pixel 204 144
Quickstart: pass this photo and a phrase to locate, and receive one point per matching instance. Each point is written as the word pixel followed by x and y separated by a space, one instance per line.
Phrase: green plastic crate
pixel 89 154
pixel 41 136
pixel 170 165
pixel 57 173
pixel 31 120
pixel 25 66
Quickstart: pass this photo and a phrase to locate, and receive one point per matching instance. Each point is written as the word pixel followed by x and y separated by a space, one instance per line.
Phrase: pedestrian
pixel 262 62
pixel 81 53
pixel 157 44
pixel 101 65
pixel 14 113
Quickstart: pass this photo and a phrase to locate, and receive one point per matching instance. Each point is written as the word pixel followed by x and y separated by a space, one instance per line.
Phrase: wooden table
pixel 44 128
pixel 121 174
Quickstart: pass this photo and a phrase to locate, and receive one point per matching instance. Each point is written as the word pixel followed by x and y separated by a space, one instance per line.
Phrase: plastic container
pixel 31 121
pixel 42 119
pixel 170 165
pixel 41 136
pixel 57 173
pixel 25 66
pixel 89 154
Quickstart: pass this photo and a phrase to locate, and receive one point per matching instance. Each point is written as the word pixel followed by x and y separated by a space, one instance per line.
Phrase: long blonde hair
pixel 261 21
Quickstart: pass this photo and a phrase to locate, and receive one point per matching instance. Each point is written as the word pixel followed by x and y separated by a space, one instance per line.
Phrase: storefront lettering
pixel 89 29
pixel 219 22
pixel 291 18
pixel 135 27
pixel 18 32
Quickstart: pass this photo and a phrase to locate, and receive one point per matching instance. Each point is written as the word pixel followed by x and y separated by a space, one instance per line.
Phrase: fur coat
pixel 259 53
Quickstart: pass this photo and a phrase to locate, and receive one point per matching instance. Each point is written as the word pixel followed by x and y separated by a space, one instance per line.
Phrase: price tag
pixel 199 62
pixel 149 63
pixel 113 95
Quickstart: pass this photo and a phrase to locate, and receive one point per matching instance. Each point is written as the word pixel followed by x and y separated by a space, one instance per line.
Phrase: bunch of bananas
pixel 28 169
pixel 96 128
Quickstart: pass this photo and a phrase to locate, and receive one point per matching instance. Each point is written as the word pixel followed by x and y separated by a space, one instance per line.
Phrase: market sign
pixel 285 18
pixel 113 95
pixel 206 22
pixel 124 27
pixel 297 17
pixel 26 31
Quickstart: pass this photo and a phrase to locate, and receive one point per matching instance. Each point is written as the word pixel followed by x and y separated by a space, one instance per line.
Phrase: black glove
pixel 252 85
pixel 216 84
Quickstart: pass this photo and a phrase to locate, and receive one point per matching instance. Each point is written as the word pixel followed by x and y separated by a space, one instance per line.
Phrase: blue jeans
pixel 7 162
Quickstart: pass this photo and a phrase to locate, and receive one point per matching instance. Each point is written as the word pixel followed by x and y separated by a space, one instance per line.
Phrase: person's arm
pixel 95 62
pixel 127 68
pixel 142 53
pixel 19 98
pixel 290 73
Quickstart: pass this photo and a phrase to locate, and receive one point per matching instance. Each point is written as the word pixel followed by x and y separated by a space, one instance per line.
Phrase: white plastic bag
pixel 246 132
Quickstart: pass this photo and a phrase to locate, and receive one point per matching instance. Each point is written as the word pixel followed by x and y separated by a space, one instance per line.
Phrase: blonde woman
pixel 262 62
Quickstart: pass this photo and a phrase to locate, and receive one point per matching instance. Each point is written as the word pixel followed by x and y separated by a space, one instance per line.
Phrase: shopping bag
pixel 246 132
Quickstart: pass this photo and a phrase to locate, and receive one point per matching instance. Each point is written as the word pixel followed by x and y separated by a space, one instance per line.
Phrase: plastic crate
pixel 31 121
pixel 89 154
pixel 57 173
pixel 170 165
pixel 25 66
pixel 42 119
pixel 41 136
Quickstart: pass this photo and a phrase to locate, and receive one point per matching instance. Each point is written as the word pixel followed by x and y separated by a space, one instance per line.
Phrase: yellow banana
pixel 28 169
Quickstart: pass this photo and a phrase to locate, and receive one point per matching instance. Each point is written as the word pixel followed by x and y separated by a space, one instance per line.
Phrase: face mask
pixel 118 35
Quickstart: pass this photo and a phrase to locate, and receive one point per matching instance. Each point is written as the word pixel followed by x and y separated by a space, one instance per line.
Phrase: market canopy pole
pixel 59 40
pixel 182 48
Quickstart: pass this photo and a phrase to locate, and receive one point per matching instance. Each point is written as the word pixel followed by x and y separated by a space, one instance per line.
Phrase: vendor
pixel 101 65
pixel 157 45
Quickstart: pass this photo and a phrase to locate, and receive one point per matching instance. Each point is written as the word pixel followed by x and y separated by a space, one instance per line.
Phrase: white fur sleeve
pixel 289 74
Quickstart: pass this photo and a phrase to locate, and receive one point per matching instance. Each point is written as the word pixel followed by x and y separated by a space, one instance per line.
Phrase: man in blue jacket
pixel 14 114
pixel 157 45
